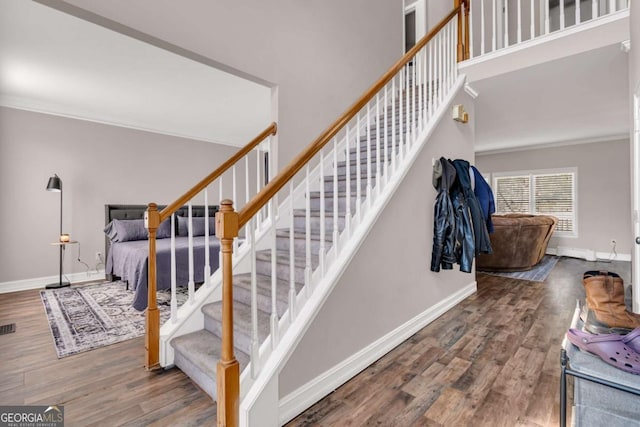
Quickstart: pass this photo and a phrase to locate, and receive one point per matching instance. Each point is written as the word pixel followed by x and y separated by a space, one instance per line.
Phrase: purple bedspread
pixel 129 261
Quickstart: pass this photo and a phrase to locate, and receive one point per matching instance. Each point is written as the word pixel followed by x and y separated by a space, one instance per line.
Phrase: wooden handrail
pixel 153 219
pixel 272 129
pixel 276 184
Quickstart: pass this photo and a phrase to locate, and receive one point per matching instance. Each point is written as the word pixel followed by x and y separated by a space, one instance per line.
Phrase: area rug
pixel 539 273
pixel 87 317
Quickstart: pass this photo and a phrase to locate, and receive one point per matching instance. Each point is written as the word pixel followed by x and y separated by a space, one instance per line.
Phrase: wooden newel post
pixel 467 9
pixel 228 369
pixel 460 46
pixel 152 329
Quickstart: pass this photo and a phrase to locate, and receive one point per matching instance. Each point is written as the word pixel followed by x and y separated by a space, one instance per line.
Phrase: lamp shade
pixel 54 184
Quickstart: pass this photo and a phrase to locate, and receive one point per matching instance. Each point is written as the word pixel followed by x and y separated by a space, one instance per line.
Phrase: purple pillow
pixel 124 230
pixel 198 226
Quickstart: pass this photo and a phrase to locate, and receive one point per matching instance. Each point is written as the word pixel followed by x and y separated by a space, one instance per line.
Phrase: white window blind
pixel 542 193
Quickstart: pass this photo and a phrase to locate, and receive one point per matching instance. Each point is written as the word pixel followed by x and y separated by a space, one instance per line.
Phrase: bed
pixel 127 248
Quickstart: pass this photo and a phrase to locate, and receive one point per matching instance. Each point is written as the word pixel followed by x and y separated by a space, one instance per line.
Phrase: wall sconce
pixel 459 114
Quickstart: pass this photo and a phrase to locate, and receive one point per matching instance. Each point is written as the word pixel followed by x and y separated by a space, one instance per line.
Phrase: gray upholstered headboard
pixel 112 212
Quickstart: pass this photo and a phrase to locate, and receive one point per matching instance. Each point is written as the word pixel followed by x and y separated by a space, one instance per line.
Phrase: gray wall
pixel 603 189
pixel 389 281
pixel 320 54
pixel 98 164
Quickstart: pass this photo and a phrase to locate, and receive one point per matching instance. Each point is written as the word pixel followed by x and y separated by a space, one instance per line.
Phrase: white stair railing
pixel 498 24
pixel 224 182
pixel 338 186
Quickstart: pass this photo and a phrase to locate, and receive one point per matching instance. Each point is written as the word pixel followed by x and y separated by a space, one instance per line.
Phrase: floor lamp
pixel 55 185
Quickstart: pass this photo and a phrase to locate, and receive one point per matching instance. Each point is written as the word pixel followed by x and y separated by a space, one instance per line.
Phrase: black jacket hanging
pixel 444 224
pixel 481 236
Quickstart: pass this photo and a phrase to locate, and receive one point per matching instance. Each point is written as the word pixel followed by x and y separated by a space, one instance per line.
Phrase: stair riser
pixel 300 222
pixel 299 245
pixel 353 169
pixel 282 270
pixel 329 203
pixel 342 185
pixel 264 301
pixel 241 340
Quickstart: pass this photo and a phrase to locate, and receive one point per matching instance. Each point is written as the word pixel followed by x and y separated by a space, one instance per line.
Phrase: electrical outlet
pixel 98 256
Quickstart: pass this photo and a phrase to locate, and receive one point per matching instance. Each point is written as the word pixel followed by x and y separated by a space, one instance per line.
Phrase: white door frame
pixel 635 200
pixel 420 9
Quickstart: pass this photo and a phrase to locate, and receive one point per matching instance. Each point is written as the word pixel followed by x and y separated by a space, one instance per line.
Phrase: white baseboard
pixel 41 282
pixel 305 396
pixel 587 254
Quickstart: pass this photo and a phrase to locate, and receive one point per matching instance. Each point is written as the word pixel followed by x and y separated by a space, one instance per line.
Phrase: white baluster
pixel 174 299
pixel 420 87
pixel 235 200
pixel 386 135
pixel 347 201
pixel 292 257
pixel 612 6
pixel 493 26
pixel 255 340
pixel 369 160
pixel 274 281
pixel 260 214
pixel 395 138
pixel 482 33
pixel 561 14
pixel 191 284
pixel 207 261
pixel 547 19
pixel 594 9
pixel 506 23
pixel 322 214
pixel 430 82
pixel 378 144
pixel 307 235
pixel 247 181
pixel 402 130
pixel 533 20
pixel 441 71
pixel 578 17
pixel 381 142
pixel 358 165
pixel 335 194
pixel 519 23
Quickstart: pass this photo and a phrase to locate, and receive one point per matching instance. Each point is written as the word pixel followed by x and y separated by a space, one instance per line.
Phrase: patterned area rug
pixel 87 317
pixel 539 273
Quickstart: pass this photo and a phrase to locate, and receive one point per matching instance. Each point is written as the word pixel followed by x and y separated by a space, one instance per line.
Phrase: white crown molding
pixel 489 149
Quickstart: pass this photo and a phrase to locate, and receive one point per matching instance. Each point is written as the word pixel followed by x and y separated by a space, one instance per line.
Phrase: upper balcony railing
pixel 498 24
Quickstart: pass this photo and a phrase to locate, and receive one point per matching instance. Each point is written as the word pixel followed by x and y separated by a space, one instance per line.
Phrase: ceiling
pixel 575 99
pixel 55 63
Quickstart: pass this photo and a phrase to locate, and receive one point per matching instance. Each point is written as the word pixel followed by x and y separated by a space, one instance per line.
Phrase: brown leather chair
pixel 519 242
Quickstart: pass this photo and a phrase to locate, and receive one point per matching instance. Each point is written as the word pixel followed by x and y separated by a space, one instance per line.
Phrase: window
pixel 547 192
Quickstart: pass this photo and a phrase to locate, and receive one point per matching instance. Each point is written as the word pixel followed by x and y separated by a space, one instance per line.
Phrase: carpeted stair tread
pixel 197 354
pixel 241 323
pixel 301 235
pixel 314 213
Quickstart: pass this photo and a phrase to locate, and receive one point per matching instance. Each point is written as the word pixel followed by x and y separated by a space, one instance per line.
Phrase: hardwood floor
pixel 491 360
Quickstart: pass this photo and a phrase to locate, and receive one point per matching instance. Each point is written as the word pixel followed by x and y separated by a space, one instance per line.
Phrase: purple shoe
pixel 611 348
pixel 632 339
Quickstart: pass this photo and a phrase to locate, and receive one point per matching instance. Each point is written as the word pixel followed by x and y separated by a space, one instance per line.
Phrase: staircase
pixel 298 230
pixel 195 351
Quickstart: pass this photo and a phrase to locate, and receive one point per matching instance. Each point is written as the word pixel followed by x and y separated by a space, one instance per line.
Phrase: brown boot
pixel 607 312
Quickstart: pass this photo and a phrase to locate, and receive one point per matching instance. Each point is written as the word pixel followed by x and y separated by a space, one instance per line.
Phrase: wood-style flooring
pixel 491 360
